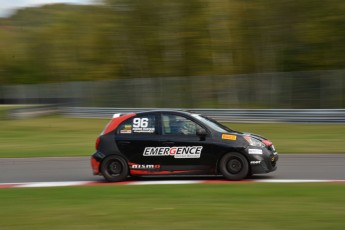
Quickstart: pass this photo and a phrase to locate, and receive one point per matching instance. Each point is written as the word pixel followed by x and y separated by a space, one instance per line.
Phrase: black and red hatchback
pixel 178 143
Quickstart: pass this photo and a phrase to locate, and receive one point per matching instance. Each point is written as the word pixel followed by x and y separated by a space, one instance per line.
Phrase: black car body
pixel 178 143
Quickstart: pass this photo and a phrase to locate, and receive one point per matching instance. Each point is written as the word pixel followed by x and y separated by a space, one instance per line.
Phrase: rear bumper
pixel 95 165
pixel 96 160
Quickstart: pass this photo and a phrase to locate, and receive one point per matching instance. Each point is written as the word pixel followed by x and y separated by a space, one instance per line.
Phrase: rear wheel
pixel 114 168
pixel 234 166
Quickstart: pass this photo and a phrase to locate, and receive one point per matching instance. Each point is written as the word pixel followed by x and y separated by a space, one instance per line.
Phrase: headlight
pixel 254 142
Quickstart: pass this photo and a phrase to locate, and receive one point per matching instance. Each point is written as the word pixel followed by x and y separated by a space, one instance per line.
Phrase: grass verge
pixel 59 136
pixel 300 138
pixel 49 136
pixel 227 206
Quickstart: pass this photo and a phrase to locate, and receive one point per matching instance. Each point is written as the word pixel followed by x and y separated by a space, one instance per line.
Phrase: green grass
pixel 300 138
pixel 59 136
pixel 49 136
pixel 227 206
pixel 5 108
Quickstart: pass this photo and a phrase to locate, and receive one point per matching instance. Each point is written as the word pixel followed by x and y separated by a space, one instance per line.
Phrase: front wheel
pixel 114 169
pixel 234 166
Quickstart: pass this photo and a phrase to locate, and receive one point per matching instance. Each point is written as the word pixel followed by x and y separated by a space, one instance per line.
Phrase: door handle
pixel 124 142
pixel 168 143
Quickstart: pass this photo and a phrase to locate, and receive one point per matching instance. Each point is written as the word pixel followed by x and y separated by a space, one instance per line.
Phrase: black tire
pixel 114 168
pixel 234 166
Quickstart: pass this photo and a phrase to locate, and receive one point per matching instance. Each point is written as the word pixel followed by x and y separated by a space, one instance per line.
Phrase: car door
pixel 188 151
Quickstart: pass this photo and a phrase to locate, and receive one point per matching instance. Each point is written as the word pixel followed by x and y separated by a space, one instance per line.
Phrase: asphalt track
pixel 290 166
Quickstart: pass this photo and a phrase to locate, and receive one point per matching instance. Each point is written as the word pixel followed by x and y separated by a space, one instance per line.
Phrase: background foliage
pixel 133 38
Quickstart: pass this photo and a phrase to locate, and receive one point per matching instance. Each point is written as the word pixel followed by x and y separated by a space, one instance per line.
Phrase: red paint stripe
pixel 106 183
pixel 227 181
pixel 267 143
pixel 8 185
pixel 116 121
pixel 148 172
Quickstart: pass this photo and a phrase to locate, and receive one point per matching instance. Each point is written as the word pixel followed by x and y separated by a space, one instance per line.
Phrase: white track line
pixel 166 182
pixel 163 182
pixel 292 181
pixel 52 184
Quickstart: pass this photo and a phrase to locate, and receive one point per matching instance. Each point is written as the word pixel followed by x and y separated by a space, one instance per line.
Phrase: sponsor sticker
pixel 144 130
pixel 137 166
pixel 255 162
pixel 255 151
pixel 176 152
pixel 229 137
pixel 125 131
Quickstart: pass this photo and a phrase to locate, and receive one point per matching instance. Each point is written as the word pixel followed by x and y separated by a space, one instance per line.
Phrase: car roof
pixel 172 111
pixel 178 111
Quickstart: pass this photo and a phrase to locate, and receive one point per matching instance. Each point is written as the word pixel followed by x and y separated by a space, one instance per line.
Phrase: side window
pixel 178 125
pixel 138 125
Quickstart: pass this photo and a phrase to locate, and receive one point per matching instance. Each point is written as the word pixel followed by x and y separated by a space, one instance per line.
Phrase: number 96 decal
pixel 141 125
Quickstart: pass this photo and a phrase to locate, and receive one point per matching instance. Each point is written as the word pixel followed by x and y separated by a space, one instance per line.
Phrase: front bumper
pixel 265 162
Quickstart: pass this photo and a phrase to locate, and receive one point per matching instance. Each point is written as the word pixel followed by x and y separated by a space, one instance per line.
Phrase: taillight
pixel 97 142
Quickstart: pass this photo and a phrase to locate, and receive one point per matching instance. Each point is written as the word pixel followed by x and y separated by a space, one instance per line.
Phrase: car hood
pixel 257 136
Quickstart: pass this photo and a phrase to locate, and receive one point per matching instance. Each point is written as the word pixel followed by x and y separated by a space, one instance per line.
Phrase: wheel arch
pixel 231 150
pixel 111 155
pixel 120 159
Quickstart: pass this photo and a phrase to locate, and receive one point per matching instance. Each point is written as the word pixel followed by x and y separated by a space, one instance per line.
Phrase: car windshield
pixel 213 123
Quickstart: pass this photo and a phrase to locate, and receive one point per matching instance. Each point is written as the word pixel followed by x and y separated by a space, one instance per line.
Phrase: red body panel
pixel 134 172
pixel 116 121
pixel 95 166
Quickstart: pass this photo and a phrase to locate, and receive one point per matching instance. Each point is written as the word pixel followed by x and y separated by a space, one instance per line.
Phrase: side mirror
pixel 201 133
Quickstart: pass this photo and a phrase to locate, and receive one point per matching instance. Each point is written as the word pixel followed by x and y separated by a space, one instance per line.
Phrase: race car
pixel 169 142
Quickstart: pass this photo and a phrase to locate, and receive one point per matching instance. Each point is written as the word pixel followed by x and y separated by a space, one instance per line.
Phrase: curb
pixel 164 182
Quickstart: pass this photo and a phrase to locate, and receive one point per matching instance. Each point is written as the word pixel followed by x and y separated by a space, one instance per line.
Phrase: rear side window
pixel 138 125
